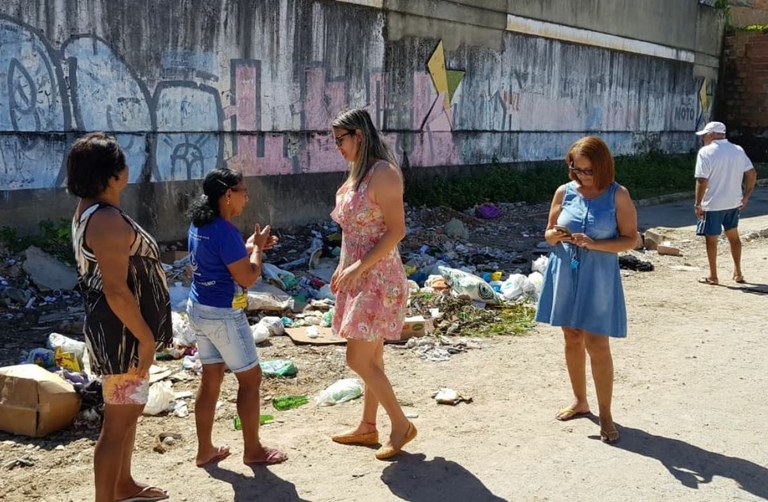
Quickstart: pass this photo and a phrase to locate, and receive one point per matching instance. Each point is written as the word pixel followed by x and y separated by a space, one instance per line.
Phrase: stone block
pixel 47 272
pixel 669 250
pixel 651 240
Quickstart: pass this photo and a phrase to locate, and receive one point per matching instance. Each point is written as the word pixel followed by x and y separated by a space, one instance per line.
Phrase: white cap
pixel 716 127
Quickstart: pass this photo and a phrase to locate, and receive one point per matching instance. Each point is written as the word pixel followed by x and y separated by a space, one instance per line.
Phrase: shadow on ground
pixel 694 466
pixel 263 485
pixel 415 479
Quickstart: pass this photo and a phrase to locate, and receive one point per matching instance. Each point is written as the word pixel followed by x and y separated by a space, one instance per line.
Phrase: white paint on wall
pixel 376 4
pixel 588 37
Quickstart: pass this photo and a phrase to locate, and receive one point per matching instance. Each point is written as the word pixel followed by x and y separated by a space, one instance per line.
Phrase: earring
pixel 228 199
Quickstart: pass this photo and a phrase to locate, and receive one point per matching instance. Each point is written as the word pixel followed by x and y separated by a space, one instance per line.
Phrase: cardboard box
pixel 35 402
pixel 415 326
pixel 171 256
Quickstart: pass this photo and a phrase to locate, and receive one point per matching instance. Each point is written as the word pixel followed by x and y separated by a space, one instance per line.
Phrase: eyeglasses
pixel 577 171
pixel 340 139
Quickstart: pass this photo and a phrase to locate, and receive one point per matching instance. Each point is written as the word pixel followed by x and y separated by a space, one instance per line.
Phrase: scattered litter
pixel 18 462
pixel 487 211
pixel 339 392
pixel 161 398
pixel 278 368
pixel 263 296
pixel 450 396
pixel 183 334
pixel 179 296
pixel 464 283
pixel 289 402
pixel 632 262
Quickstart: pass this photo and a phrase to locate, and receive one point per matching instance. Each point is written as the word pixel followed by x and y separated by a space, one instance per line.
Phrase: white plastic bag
pixel 513 287
pixel 540 265
pixel 263 296
pixel 274 324
pixel 260 332
pixel 183 334
pixel 341 391
pixel 534 283
pixel 161 398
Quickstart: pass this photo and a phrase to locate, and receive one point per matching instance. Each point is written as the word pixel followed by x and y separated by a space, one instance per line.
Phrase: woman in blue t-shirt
pixel 223 268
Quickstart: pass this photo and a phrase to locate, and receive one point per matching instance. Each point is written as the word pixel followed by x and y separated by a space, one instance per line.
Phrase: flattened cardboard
pixel 299 336
pixel 35 402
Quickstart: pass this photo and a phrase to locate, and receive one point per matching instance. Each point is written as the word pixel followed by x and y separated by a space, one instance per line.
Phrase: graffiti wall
pixel 187 85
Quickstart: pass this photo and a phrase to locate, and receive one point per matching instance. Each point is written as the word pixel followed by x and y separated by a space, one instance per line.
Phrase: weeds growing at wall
pixel 759 28
pixel 54 237
pixel 645 176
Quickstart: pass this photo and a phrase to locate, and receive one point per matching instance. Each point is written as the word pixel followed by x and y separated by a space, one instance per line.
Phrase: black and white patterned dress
pixel 112 347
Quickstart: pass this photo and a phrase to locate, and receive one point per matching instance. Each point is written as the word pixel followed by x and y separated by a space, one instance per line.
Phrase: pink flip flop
pixel 143 496
pixel 222 452
pixel 273 456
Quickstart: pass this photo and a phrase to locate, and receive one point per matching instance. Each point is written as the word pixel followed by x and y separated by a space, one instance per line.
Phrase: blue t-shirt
pixel 212 247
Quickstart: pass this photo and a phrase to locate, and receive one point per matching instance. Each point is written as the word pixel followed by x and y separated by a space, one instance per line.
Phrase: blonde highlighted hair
pixel 372 146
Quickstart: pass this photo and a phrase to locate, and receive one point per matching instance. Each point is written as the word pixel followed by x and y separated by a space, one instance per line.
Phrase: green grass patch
pixel 645 176
pixel 54 237
pixel 760 28
pixel 514 320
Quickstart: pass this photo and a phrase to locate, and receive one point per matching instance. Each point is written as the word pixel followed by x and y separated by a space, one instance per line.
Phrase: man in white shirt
pixel 721 167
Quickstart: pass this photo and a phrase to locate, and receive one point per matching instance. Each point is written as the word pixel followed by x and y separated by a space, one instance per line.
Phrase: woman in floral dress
pixel 370 284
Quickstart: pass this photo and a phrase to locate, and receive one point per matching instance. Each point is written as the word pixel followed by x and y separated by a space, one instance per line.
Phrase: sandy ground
pixel 690 401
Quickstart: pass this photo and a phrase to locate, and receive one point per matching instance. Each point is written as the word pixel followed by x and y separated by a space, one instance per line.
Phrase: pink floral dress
pixel 376 307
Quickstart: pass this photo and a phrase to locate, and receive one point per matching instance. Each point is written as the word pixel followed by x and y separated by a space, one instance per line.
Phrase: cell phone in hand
pixel 562 229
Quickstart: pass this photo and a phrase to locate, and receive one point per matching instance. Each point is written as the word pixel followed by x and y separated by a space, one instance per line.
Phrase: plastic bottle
pixel 263 419
pixel 289 402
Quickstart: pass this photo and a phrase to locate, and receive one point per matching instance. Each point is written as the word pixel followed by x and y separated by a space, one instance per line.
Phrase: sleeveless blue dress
pixel 582 288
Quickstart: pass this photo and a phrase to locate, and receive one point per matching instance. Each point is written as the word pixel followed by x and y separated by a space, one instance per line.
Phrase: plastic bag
pixel 540 265
pixel 534 283
pixel 464 283
pixel 77 349
pixel 179 297
pixel 260 333
pixel 183 334
pixel 325 292
pixel 66 360
pixel 327 320
pixel 45 358
pixel 341 391
pixel 274 324
pixel 262 296
pixel 281 278
pixel 279 367
pixel 161 398
pixel 514 286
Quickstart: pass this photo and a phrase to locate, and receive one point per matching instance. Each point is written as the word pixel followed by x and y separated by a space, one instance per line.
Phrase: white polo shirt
pixel 723 165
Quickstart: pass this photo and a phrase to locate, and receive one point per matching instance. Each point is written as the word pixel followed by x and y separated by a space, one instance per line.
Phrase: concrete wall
pixel 188 84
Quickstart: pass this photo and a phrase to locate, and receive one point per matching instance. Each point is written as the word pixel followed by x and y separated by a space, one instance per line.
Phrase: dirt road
pixel 690 400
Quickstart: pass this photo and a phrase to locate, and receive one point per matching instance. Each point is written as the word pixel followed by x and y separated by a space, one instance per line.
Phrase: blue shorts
pixel 719 221
pixel 223 336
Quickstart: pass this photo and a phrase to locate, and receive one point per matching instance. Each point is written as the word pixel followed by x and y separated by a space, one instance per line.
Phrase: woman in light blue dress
pixel 582 289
